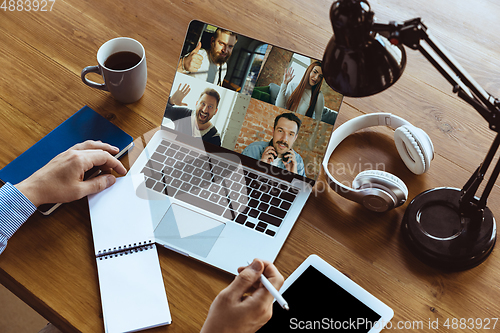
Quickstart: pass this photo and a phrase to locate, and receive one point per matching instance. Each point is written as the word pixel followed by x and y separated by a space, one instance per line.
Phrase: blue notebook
pixel 85 124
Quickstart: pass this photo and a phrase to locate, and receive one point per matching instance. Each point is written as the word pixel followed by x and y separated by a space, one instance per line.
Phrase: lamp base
pixel 441 237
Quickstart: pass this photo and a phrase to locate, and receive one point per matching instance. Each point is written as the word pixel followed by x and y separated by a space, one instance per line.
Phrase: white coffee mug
pixel 127 85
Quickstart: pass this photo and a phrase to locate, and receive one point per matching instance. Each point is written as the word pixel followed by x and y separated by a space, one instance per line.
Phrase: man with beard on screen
pixel 194 122
pixel 210 65
pixel 278 151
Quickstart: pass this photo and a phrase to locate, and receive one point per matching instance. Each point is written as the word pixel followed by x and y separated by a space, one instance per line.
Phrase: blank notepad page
pixel 132 292
pixel 133 295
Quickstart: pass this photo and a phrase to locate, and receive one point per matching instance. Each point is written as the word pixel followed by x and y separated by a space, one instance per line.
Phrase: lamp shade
pixel 357 61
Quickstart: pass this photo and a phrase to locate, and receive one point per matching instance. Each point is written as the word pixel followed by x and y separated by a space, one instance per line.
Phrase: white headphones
pixel 378 190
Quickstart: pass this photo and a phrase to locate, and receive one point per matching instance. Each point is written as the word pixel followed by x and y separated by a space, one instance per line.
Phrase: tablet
pixel 323 299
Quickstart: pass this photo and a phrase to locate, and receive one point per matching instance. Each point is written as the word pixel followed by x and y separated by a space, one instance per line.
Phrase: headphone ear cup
pixel 414 147
pixel 382 190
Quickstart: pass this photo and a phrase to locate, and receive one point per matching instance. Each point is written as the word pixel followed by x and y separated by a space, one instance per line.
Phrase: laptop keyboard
pixel 225 189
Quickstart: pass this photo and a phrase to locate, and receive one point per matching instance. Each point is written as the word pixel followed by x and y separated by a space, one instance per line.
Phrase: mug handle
pixel 93 69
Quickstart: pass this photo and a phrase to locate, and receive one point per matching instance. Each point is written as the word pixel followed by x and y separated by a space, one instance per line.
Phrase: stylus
pixel 268 285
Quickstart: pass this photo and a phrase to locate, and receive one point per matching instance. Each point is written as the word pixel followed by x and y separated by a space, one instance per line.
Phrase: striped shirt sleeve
pixel 15 209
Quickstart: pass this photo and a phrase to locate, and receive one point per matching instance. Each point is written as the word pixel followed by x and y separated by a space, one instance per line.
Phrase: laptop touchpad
pixel 188 230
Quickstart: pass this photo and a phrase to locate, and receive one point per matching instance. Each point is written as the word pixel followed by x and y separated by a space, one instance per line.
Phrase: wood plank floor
pixel 16 316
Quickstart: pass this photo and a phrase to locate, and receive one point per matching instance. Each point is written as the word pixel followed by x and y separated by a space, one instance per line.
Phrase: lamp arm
pixel 414 34
pixel 459 71
pixel 468 201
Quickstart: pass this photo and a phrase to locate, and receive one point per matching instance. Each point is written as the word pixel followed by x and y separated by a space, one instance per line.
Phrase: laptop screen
pixel 252 98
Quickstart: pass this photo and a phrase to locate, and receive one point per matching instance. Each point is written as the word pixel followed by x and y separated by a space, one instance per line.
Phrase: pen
pixel 268 285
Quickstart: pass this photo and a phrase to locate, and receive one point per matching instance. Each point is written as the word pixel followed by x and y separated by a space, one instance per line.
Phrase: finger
pixel 269 155
pixel 197 58
pixel 270 149
pixel 97 184
pixel 246 279
pixel 181 88
pixel 242 268
pixel 197 61
pixel 254 286
pixel 197 48
pixel 103 160
pixel 273 275
pixel 261 295
pixel 186 89
pixel 91 144
pixel 276 279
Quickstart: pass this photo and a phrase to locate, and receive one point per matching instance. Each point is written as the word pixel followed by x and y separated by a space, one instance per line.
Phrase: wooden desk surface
pixel 49 263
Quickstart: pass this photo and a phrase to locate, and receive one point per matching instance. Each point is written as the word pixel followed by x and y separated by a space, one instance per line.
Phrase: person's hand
pixel 245 305
pixel 288 77
pixel 192 62
pixel 61 180
pixel 291 162
pixel 269 154
pixel 179 95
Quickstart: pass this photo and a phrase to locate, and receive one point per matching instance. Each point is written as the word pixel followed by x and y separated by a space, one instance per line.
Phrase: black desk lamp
pixel 446 228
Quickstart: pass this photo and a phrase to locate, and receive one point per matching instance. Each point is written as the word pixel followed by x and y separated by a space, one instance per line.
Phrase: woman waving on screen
pixel 304 98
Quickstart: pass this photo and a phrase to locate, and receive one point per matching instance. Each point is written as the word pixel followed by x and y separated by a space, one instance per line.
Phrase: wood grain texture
pixel 49 263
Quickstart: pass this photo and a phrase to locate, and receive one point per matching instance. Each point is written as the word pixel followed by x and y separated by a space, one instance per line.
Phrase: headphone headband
pixel 348 128
pixel 362 122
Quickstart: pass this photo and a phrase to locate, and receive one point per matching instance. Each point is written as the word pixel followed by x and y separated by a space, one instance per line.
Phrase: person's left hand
pixel 61 180
pixel 245 305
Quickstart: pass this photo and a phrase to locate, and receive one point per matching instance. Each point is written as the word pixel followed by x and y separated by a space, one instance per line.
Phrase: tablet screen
pixel 317 303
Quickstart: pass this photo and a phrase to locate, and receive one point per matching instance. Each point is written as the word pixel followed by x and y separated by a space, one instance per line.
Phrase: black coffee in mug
pixel 122 66
pixel 122 60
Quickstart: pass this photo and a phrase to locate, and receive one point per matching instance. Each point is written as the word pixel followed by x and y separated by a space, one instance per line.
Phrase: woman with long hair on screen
pixel 304 98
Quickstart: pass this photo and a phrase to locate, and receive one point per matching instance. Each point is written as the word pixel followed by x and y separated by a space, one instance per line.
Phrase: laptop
pixel 230 169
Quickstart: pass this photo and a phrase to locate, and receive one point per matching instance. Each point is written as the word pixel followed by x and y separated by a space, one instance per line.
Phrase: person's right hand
pixel 192 62
pixel 269 154
pixel 245 305
pixel 178 96
pixel 61 180
pixel 288 76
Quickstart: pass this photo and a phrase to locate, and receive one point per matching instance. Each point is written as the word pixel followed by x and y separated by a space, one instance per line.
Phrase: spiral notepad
pixel 124 250
pixel 130 280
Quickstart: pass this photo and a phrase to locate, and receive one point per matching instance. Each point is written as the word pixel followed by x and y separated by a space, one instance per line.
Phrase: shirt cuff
pixel 15 209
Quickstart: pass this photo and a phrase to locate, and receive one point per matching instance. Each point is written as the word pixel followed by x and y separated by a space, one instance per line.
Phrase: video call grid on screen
pixel 250 82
